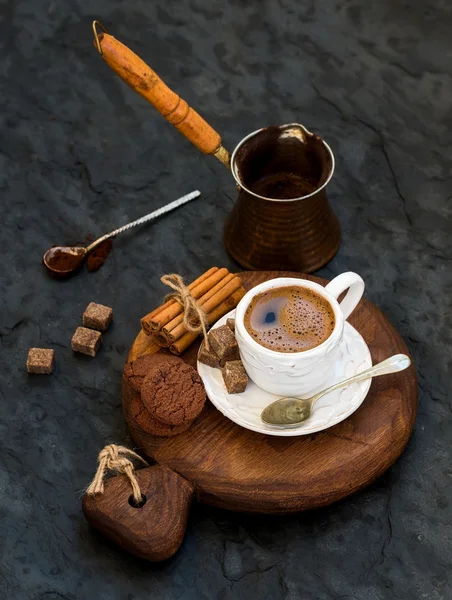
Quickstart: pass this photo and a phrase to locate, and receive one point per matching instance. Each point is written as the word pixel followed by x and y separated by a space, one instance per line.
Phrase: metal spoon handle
pixel 149 217
pixel 394 364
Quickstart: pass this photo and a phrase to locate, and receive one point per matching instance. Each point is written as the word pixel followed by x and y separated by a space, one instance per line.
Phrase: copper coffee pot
pixel 282 219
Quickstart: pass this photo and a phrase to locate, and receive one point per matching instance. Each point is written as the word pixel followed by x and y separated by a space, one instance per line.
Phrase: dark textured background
pixel 80 154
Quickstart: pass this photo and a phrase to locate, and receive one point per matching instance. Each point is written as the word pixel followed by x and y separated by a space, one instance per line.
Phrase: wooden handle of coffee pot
pixel 141 78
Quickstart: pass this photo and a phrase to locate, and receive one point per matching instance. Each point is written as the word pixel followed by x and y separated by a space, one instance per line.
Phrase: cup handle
pixel 355 286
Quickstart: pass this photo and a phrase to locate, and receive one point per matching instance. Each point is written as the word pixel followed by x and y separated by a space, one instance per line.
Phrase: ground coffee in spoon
pixel 64 261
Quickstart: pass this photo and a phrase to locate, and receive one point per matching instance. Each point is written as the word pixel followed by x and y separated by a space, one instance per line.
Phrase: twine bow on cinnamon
pixel 195 319
pixel 114 458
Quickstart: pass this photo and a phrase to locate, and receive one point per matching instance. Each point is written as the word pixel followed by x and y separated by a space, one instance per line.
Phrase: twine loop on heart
pixel 195 318
pixel 114 458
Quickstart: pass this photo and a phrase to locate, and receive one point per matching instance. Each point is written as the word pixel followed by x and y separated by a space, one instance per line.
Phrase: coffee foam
pixel 289 319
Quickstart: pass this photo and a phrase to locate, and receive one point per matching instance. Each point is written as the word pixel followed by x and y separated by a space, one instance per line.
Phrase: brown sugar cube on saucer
pixel 223 342
pixel 235 355
pixel 208 357
pixel 40 360
pixel 97 316
pixel 235 377
pixel 231 324
pixel 86 341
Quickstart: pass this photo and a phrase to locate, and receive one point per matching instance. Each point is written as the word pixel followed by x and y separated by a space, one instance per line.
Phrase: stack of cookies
pixel 164 394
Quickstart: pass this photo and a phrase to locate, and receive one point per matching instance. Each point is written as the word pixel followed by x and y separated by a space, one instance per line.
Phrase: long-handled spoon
pixel 290 412
pixel 75 255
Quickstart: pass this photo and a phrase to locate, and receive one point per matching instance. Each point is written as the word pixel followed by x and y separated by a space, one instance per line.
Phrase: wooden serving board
pixel 241 470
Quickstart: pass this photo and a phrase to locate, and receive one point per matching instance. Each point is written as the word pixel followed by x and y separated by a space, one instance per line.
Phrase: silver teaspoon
pixel 290 412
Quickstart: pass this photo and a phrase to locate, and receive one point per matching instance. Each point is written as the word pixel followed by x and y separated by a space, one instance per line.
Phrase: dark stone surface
pixel 80 154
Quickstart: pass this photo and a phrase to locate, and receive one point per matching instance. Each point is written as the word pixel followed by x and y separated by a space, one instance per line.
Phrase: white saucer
pixel 245 409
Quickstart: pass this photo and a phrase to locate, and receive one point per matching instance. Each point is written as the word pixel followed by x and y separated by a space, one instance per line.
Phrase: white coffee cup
pixel 297 373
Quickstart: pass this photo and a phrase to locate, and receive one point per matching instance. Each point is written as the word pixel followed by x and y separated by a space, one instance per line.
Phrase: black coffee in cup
pixel 289 319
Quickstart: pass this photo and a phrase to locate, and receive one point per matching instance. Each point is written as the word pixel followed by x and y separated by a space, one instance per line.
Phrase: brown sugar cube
pixel 223 342
pixel 86 341
pixel 40 360
pixel 235 377
pixel 208 357
pixel 234 356
pixel 231 324
pixel 97 316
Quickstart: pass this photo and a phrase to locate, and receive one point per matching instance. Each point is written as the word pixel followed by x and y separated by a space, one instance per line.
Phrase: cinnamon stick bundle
pixel 217 291
pixel 197 291
pixel 218 294
pixel 151 318
pixel 188 338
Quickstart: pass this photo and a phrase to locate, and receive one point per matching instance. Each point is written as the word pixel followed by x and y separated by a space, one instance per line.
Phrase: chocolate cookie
pixel 136 371
pixel 138 416
pixel 173 392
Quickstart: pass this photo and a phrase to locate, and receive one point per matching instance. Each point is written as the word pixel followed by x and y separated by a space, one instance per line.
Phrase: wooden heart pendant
pixel 153 531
